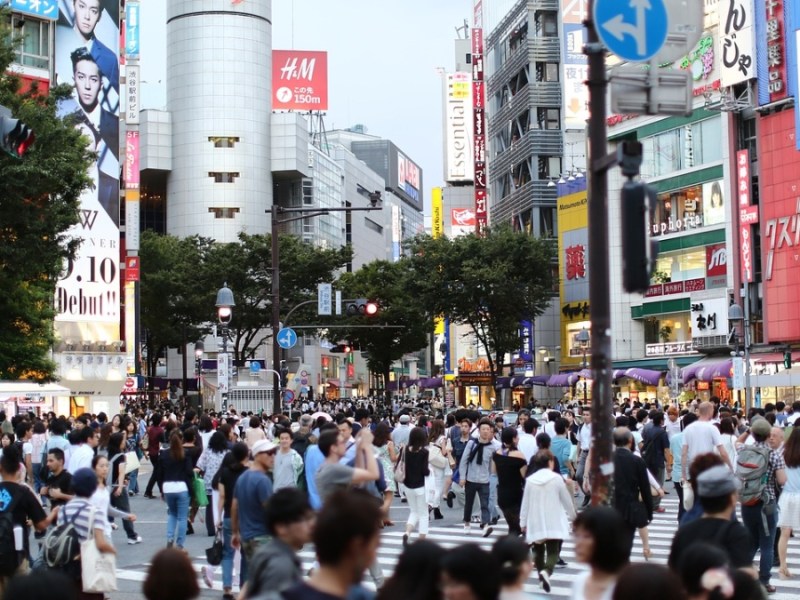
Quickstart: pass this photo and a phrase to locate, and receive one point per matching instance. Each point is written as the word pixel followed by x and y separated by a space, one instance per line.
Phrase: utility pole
pixel 602 465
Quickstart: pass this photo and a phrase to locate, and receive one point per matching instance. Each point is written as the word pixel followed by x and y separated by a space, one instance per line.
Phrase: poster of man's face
pixel 87 83
pixel 86 16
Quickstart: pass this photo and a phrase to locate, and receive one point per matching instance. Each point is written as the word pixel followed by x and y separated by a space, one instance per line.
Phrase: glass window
pixel 223 141
pixel 547 218
pixel 223 177
pixel 34 49
pixel 675 327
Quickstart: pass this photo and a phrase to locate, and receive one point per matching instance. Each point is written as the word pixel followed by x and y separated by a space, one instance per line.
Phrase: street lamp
pixel 583 339
pixel 199 348
pixel 736 314
pixel 225 304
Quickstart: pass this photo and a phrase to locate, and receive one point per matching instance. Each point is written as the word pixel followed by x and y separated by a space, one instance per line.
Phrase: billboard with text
pixel 299 80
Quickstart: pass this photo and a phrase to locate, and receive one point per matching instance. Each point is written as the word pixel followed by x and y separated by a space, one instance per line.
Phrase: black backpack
pixel 10 557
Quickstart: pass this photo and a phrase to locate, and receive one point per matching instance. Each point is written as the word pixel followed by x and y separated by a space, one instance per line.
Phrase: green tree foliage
pixel 39 200
pixel 181 277
pixel 489 283
pixel 387 284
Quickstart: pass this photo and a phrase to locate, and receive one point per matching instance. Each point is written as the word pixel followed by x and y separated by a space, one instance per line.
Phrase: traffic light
pixel 787 359
pixel 341 348
pixel 638 250
pixel 15 136
pixel 361 308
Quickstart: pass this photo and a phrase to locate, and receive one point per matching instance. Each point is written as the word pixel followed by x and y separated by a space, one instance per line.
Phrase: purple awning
pixel 707 369
pixel 430 383
pixel 502 383
pixel 647 376
pixel 617 374
pixel 518 381
pixel 561 380
pixel 540 380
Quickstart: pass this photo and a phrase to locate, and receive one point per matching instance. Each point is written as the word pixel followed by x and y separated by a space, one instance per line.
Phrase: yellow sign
pixel 573 264
pixel 437 218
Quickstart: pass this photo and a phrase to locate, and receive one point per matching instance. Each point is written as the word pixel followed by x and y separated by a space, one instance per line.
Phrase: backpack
pixel 62 544
pixel 752 469
pixel 10 557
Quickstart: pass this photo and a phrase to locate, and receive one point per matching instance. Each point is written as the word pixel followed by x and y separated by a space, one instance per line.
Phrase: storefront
pixel 18 397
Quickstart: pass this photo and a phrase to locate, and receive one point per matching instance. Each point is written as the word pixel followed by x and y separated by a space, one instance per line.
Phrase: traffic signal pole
pixel 601 459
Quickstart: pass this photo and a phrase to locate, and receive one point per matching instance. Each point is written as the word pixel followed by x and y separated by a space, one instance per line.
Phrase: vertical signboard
pixel 132 105
pixel 299 80
pixel 132 29
pixel 737 41
pixel 576 70
pixel 397 232
pixel 87 58
pixel 772 55
pixel 324 298
pixel 437 216
pixel 131 160
pixel 459 164
pixel 479 121
pixel 745 214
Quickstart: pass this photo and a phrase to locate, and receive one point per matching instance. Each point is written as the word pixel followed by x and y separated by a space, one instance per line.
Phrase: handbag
pixel 131 462
pixel 400 467
pixel 214 554
pixel 199 491
pixel 436 458
pixel 98 569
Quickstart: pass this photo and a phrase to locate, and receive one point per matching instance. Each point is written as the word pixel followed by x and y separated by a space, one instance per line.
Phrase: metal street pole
pixel 602 466
pixel 748 397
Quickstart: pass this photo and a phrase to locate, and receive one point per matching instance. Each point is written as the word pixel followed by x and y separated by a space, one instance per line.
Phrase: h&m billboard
pixel 299 80
pixel 87 58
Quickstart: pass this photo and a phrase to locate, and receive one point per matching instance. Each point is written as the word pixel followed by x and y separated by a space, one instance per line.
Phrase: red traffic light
pixel 370 309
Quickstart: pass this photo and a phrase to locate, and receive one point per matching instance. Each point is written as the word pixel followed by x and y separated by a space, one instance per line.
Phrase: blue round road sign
pixel 287 338
pixel 634 30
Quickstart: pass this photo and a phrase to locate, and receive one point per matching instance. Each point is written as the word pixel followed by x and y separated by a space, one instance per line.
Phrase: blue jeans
pixel 133 481
pixel 762 532
pixel 493 496
pixel 482 489
pixel 177 517
pixel 227 556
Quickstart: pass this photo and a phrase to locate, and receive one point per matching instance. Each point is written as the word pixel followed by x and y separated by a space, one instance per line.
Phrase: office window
pixel 223 141
pixel 34 49
pixel 223 177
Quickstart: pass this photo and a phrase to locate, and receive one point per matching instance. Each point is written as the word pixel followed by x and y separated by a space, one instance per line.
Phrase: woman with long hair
pixel 102 444
pixel 510 466
pixel 439 465
pixel 117 483
pixel 208 465
pixel 385 451
pixel 131 429
pixel 789 500
pixel 469 573
pixel 101 499
pixel 175 477
pixel 513 556
pixel 415 455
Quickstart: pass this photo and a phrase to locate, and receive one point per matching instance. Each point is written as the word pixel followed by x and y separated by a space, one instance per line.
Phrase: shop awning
pixel 561 380
pixel 647 376
pixel 335 383
pixel 92 387
pixel 23 389
pixel 429 383
pixel 708 369
pixel 785 378
pixel 773 357
pixel 538 380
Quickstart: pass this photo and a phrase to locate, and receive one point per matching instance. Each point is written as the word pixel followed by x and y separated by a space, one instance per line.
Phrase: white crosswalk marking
pixel 662 530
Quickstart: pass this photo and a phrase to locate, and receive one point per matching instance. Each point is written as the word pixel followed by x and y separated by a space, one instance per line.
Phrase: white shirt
pixel 672 428
pixel 80 458
pixel 701 437
pixel 585 436
pixel 526 443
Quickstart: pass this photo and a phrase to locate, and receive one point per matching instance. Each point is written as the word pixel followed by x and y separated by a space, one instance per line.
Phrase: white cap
pixel 263 446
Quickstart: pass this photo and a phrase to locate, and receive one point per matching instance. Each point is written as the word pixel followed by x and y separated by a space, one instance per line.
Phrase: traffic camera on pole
pixel 639 252
pixel 15 136
pixel 361 308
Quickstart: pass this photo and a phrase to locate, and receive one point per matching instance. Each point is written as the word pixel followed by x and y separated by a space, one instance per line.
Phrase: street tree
pixel 246 267
pixel 401 325
pixel 489 283
pixel 176 304
pixel 39 201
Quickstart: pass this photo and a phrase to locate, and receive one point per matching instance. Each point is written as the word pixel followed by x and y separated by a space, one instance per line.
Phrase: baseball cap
pixel 760 426
pixel 263 446
pixel 716 481
pixel 84 482
pixel 405 419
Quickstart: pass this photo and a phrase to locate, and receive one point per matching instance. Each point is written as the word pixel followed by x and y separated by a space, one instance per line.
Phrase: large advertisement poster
pixel 299 80
pixel 459 164
pixel 87 58
pixel 576 70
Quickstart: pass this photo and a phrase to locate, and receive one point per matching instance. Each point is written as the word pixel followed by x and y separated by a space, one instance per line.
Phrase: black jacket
pixel 630 481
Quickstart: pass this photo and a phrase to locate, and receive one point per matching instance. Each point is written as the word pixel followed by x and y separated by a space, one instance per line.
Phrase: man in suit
pixel 86 16
pixel 86 74
pixel 630 483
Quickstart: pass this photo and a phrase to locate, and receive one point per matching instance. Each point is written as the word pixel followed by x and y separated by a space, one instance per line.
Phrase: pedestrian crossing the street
pixel 451 534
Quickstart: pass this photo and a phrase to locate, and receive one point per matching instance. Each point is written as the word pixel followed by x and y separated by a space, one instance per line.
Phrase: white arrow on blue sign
pixel 287 338
pixel 634 30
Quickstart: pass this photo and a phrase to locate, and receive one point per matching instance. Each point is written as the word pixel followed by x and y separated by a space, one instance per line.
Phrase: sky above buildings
pixel 383 61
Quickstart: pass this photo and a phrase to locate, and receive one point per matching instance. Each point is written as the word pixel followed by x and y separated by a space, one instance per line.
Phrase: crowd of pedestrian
pixel 267 486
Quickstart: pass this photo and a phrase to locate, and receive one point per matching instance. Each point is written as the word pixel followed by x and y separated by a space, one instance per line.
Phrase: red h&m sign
pixel 479 118
pixel 299 80
pixel 132 268
pixel 745 214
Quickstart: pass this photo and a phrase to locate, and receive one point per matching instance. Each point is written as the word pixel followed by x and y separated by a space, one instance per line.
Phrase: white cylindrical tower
pixel 219 82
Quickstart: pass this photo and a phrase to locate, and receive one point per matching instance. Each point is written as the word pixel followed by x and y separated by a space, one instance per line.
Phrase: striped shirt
pixel 81 506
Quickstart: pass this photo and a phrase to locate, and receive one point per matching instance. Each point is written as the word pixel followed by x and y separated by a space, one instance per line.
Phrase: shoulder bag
pixel 400 467
pixel 98 569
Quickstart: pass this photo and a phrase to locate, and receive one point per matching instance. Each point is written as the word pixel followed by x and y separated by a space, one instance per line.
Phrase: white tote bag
pixel 98 569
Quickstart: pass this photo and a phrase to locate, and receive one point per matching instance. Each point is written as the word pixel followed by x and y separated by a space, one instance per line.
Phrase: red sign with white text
pixel 779 164
pixel 776 49
pixel 132 268
pixel 716 260
pixel 743 193
pixel 299 80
